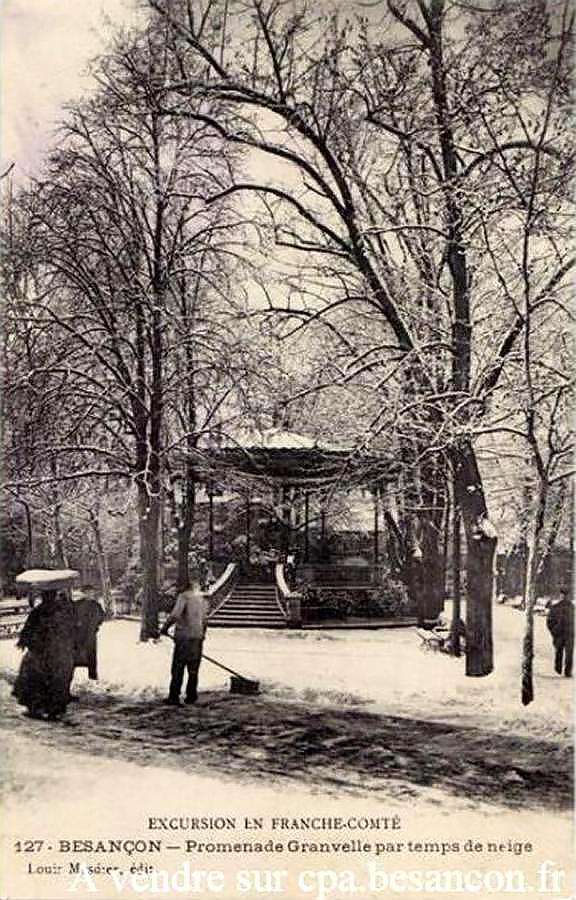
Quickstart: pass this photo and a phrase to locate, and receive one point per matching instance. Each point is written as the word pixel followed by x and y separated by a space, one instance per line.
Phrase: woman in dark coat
pixel 89 617
pixel 49 638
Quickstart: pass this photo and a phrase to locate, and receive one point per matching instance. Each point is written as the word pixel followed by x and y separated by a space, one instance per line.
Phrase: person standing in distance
pixel 190 616
pixel 560 622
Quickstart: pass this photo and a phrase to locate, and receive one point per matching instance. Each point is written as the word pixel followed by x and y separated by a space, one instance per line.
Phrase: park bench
pixel 433 640
pixel 438 639
pixel 13 614
pixel 14 610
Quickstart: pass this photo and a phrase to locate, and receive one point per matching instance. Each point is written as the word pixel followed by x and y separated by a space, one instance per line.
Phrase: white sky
pixel 45 45
pixel 44 48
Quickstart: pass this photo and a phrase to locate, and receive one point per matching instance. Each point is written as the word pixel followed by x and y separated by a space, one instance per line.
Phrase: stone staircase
pixel 249 606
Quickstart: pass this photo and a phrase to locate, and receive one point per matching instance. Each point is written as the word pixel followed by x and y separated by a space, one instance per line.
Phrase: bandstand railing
pixel 337 575
pixel 289 601
pixel 218 592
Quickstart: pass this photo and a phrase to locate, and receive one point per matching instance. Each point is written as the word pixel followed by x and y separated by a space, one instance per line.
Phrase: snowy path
pixel 384 668
pixel 334 749
pixel 361 722
pixel 60 796
pixel 362 702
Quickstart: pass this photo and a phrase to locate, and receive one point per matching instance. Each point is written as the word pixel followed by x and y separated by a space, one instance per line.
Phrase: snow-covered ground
pixel 385 667
pixel 53 795
pixel 70 797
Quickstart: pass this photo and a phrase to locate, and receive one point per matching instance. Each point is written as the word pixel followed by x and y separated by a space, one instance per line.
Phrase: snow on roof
pixel 279 439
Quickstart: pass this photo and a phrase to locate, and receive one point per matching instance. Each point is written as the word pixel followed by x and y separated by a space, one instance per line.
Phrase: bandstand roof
pixel 297 459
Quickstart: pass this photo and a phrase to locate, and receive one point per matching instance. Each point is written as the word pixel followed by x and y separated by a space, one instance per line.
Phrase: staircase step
pixel 242 611
pixel 256 613
pixel 244 624
pixel 241 614
pixel 249 598
pixel 254 619
pixel 265 623
pixel 259 621
pixel 255 588
pixel 250 606
pixel 248 601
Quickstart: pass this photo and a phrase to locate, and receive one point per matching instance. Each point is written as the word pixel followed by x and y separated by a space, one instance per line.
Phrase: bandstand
pixel 291 563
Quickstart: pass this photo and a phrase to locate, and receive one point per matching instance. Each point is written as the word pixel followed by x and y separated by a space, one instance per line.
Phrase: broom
pixel 239 684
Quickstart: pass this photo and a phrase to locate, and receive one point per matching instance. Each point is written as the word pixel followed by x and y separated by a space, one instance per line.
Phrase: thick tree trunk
pixel 433 505
pixel 479 570
pixel 407 532
pixel 480 551
pixel 554 514
pixel 527 688
pixel 59 543
pixel 480 534
pixel 150 414
pixel 456 581
pixel 420 532
pixel 102 562
pixel 529 597
pixel 432 569
pixel 185 526
pixel 405 558
pixel 149 521
pixel 414 582
pixel 183 568
pixel 29 563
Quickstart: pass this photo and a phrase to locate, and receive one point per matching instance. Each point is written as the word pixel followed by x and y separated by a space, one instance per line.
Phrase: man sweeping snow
pixel 190 615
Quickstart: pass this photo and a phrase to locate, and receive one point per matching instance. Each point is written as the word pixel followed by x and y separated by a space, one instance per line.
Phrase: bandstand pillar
pixel 306 527
pixel 248 513
pixel 323 547
pixel 210 521
pixel 376 496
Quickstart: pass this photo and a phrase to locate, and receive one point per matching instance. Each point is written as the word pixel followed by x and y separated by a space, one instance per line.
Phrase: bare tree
pixel 397 145
pixel 114 232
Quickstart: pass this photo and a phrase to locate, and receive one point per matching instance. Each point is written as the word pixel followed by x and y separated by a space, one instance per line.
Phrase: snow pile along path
pixel 385 668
